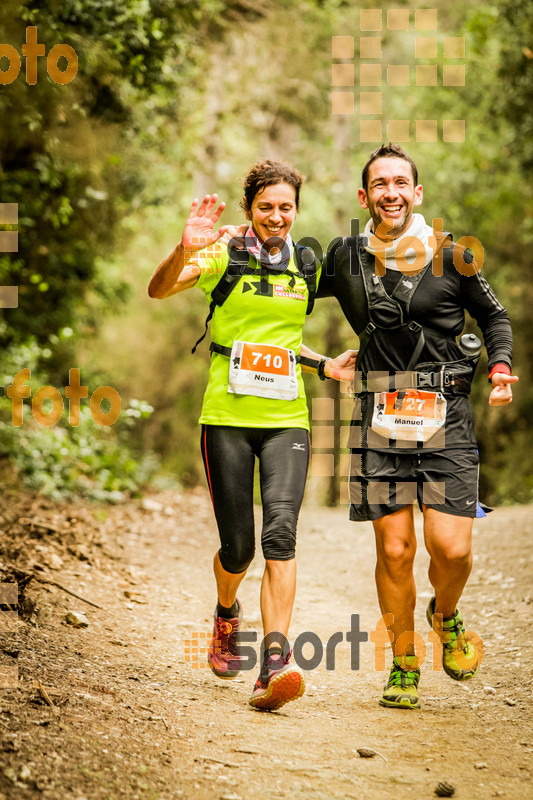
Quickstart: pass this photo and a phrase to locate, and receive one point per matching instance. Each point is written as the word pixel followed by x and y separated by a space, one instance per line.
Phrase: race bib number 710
pixel 263 370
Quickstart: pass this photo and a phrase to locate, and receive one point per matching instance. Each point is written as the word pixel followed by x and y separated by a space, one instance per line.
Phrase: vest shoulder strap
pixel 237 264
pixel 407 284
pixel 307 264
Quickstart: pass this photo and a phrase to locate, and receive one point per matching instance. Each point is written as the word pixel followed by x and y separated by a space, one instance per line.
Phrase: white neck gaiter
pixel 262 256
pixel 418 229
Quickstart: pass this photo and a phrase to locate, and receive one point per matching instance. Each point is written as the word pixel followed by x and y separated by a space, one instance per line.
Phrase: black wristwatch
pixel 320 369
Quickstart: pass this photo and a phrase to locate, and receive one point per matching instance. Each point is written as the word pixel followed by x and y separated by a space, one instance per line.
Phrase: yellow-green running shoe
pixel 401 690
pixel 461 655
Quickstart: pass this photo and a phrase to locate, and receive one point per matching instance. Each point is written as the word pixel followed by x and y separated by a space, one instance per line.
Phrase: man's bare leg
pixel 396 549
pixel 449 543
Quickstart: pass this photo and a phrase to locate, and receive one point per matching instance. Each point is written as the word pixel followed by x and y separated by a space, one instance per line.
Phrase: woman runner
pixel 254 406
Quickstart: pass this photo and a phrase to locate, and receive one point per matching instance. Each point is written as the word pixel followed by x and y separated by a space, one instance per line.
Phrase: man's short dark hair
pixel 389 151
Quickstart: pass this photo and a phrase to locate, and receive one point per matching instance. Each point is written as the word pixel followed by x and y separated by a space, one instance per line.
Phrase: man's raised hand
pixel 234 235
pixel 341 368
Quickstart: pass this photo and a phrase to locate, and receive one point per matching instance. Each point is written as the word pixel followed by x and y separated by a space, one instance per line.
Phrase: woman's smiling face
pixel 273 211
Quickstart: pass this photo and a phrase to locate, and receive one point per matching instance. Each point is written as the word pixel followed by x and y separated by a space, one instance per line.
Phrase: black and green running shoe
pixel 461 656
pixel 401 690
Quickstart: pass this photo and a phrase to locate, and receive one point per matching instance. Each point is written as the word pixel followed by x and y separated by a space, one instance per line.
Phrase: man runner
pixel 412 434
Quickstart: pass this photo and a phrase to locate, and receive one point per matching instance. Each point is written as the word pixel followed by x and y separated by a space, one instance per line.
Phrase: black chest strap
pixel 226 351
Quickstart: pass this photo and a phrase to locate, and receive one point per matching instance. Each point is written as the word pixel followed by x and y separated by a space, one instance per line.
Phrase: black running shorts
pixel 382 483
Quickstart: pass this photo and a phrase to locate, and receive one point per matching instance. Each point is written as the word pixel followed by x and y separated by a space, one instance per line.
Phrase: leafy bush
pixel 87 460
pixel 60 461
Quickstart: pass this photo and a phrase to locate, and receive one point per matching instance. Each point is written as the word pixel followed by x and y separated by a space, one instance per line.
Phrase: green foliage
pixel 70 155
pixel 62 460
pixel 72 158
pixel 174 99
pixel 274 101
pixel 89 461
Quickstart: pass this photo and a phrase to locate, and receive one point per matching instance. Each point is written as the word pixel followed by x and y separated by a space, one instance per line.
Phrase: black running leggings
pixel 229 459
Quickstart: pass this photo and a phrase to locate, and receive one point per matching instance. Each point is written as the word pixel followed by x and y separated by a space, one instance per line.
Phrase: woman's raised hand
pixel 199 229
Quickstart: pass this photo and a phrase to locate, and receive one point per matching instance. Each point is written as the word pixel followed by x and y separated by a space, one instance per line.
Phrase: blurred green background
pixel 176 99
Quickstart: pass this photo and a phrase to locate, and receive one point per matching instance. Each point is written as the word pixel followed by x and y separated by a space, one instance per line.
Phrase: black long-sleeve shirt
pixel 439 303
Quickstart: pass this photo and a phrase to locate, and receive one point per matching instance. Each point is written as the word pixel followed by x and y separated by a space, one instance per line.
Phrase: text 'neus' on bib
pixel 263 370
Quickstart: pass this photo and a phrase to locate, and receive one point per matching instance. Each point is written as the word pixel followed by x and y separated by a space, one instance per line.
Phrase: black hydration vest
pixel 238 266
pixel 390 312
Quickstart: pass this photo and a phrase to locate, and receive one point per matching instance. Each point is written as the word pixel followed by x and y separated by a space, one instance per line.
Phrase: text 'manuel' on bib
pixel 409 414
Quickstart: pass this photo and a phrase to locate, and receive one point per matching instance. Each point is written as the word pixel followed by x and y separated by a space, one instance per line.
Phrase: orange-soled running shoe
pixel 223 656
pixel 279 682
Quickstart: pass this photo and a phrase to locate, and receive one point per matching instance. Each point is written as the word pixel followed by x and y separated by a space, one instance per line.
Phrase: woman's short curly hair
pixel 268 173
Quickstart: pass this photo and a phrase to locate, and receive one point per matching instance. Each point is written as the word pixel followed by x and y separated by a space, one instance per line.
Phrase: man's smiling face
pixel 391 194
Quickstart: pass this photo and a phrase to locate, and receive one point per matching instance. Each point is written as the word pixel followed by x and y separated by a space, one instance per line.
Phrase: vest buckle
pixel 446 379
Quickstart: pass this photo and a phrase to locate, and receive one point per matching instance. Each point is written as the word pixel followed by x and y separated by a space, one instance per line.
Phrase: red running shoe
pixel 279 682
pixel 223 656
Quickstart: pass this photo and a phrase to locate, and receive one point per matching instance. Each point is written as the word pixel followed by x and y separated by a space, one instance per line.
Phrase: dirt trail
pixel 133 719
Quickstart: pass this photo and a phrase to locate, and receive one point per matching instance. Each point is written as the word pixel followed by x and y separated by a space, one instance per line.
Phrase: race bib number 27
pixel 263 370
pixel 409 415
